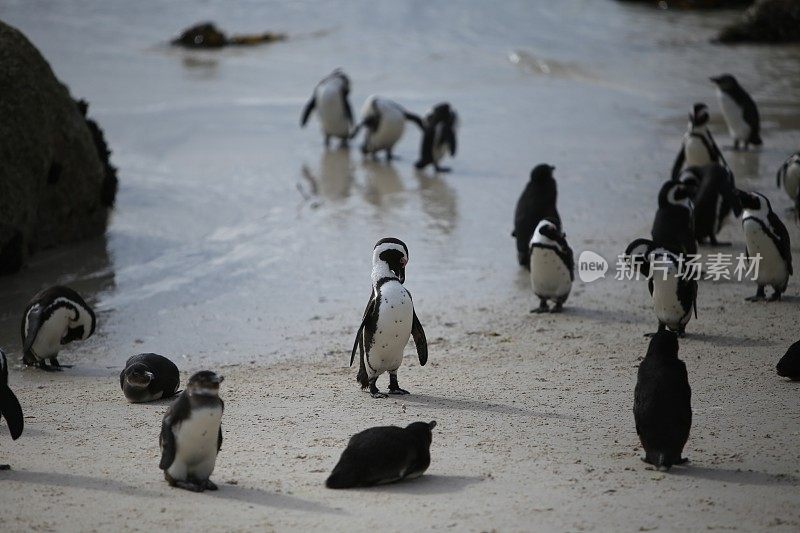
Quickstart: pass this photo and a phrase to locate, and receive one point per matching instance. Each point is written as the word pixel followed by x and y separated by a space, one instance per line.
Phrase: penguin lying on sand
pixel 9 405
pixel 789 365
pixel 147 377
pixel 552 266
pixel 439 137
pixel 537 201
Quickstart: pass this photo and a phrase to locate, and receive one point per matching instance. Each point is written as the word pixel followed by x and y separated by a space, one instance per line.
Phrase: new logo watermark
pixel 591 266
pixel 717 266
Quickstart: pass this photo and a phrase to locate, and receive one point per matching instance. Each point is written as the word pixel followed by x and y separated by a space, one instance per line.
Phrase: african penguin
pixel 537 201
pixel 383 455
pixel 765 235
pixel 672 289
pixel 662 404
pixel 739 110
pixel 191 434
pixel 389 320
pixel 53 318
pixel 698 147
pixel 673 225
pixel 789 365
pixel 439 137
pixel 9 405
pixel 714 198
pixel 147 377
pixel 552 266
pixel 333 108
pixel 789 174
pixel 384 121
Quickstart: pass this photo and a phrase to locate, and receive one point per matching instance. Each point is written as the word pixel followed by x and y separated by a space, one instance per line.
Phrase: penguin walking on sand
pixel 672 288
pixel 673 225
pixel 439 137
pixel 662 405
pixel 537 201
pixel 740 112
pixel 789 174
pixel 389 320
pixel 789 365
pixel 330 99
pixel 698 147
pixel 767 237
pixel 552 266
pixel 147 377
pixel 191 434
pixel 713 198
pixel 53 318
pixel 382 455
pixel 384 121
pixel 9 405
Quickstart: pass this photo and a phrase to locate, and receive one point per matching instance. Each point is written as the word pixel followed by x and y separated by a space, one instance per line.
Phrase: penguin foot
pixel 373 390
pixel 57 365
pixel 776 297
pixel 377 395
pixel 189 485
pixel 443 170
pixel 682 461
pixel 543 308
pixel 42 365
pixel 398 391
pixel 210 485
pixel 756 298
pixel 5 467
pixel 558 308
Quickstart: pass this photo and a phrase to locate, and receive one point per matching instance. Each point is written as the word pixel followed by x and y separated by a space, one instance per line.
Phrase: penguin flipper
pixel 783 244
pixel 34 319
pixel 450 138
pixel 348 111
pixel 219 438
pixel 308 109
pixel 419 340
pixel 12 412
pixel 415 119
pixel 177 412
pixel 358 342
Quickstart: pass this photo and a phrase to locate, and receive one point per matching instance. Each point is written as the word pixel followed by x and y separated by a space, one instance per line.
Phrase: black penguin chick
pixel 382 455
pixel 789 365
pixel 662 405
pixel 740 112
pixel 536 202
pixel 9 405
pixel 147 377
pixel 714 200
pixel 439 137
pixel 673 226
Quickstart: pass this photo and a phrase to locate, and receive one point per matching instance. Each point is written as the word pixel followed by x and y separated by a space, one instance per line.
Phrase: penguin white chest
pixel 734 117
pixel 196 444
pixel 48 338
pixel 696 152
pixel 549 275
pixel 666 304
pixel 791 182
pixel 395 316
pixel 440 147
pixel 771 268
pixel 331 112
pixel 390 129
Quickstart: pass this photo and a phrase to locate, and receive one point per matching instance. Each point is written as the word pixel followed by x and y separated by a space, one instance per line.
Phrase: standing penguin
pixel 740 112
pixel 53 318
pixel 439 137
pixel 191 434
pixel 714 199
pixel 673 226
pixel 147 377
pixel 9 405
pixel 389 320
pixel 789 174
pixel 385 121
pixel 789 365
pixel 383 455
pixel 536 202
pixel 330 99
pixel 662 404
pixel 698 147
pixel 552 266
pixel 765 235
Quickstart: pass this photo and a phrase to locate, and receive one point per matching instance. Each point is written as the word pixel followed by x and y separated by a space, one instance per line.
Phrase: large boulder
pixel 56 184
pixel 768 21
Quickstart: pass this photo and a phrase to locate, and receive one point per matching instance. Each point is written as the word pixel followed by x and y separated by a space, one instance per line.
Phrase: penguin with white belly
pixel 767 237
pixel 552 266
pixel 673 225
pixel 330 99
pixel 53 318
pixel 384 121
pixel 698 147
pixel 740 112
pixel 389 320
pixel 439 137
pixel 789 174
pixel 9 405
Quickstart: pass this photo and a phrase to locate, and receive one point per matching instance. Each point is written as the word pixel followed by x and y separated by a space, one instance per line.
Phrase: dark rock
pixel 768 21
pixel 693 4
pixel 56 184
pixel 207 35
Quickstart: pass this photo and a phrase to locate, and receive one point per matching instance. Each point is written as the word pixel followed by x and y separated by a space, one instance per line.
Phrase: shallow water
pixel 236 237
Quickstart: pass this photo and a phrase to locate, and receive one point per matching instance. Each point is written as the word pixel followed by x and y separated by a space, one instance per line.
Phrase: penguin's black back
pixel 166 375
pixel 789 365
pixel 536 202
pixel 673 226
pixel 716 182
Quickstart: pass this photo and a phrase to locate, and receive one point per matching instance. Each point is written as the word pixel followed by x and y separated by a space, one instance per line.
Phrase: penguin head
pixel 441 113
pixel 755 202
pixel 423 429
pixel 138 375
pixel 664 344
pixel 391 253
pixel 637 254
pixel 204 383
pixel 547 232
pixel 543 172
pixel 339 73
pixel 691 177
pixel 674 193
pixel 698 115
pixel 726 82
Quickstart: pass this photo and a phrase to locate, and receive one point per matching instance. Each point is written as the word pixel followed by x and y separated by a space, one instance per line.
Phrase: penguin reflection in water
pixel 9 405
pixel 552 266
pixel 389 320
pixel 191 434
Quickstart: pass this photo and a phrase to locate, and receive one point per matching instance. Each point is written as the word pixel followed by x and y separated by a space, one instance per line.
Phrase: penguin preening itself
pixel 389 320
pixel 191 434
pixel 698 147
pixel 439 137
pixel 789 365
pixel 537 201
pixel 673 292
pixel 765 235
pixel 673 225
pixel 662 405
pixel 147 377
pixel 53 318
pixel 739 110
pixel 382 455
pixel 330 99
pixel 713 192
pixel 552 266
pixel 384 121
pixel 9 405
pixel 789 174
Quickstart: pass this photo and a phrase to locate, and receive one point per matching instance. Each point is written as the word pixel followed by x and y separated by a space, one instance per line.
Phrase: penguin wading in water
pixel 714 198
pixel 740 112
pixel 765 235
pixel 789 365
pixel 191 434
pixel 53 318
pixel 147 377
pixel 789 174
pixel 439 137
pixel 383 455
pixel 552 266
pixel 384 121
pixel 9 405
pixel 389 320
pixel 673 225
pixel 537 201
pixel 698 147
pixel 662 405
pixel 673 292
pixel 330 99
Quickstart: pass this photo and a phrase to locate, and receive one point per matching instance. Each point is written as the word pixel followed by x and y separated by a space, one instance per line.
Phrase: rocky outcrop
pixel 768 21
pixel 56 183
pixel 207 35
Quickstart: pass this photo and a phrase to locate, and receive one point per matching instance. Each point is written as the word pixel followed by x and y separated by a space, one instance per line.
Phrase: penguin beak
pixel 403 262
pixel 219 379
